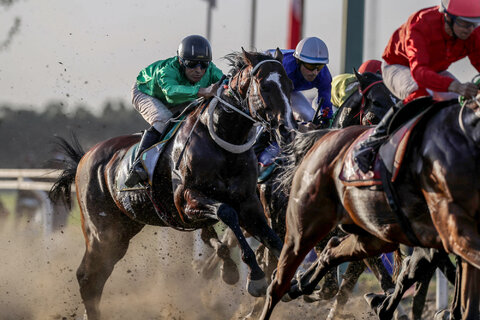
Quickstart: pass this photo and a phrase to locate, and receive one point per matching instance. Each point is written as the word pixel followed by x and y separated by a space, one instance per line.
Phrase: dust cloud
pixel 154 281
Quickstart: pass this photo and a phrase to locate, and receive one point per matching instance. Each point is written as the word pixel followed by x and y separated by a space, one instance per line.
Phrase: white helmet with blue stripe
pixel 312 50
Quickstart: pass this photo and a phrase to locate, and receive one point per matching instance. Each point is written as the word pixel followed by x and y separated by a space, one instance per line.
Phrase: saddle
pixel 148 158
pixel 392 151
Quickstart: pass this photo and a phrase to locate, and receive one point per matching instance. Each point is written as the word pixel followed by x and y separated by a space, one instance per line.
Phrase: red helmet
pixel 468 10
pixel 372 66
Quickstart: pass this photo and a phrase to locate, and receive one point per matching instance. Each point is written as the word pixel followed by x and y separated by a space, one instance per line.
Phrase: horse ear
pixel 357 75
pixel 247 57
pixel 278 55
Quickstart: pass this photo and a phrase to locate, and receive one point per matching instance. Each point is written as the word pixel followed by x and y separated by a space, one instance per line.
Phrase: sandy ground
pixel 155 280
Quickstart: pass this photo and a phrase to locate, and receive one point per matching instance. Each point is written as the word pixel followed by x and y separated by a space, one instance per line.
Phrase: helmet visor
pixel 192 64
pixel 466 24
pixel 313 66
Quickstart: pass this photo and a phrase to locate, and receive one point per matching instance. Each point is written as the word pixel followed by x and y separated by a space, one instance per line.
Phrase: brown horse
pixel 205 174
pixel 438 193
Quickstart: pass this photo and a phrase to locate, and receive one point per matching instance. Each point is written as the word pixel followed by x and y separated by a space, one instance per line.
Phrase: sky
pixel 89 52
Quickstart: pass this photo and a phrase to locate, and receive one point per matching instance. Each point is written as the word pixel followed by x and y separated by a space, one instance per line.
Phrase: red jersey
pixel 422 44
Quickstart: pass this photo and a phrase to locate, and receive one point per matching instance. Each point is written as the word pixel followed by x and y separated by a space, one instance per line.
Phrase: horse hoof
pixel 229 271
pixel 287 298
pixel 442 315
pixel 374 300
pixel 257 288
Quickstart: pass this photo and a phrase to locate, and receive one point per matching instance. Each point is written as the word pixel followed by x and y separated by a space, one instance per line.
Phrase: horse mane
pixel 237 62
pixel 291 156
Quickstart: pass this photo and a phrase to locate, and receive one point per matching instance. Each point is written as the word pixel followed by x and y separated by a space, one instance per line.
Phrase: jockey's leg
pixel 156 114
pixel 367 151
pixel 301 107
pixel 137 172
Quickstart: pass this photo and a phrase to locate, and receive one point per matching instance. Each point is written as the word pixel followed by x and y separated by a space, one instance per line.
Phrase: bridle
pixel 363 93
pixel 243 102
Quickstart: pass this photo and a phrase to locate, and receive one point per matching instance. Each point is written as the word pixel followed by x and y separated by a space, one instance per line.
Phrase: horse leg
pixel 330 285
pixel 229 270
pixel 350 278
pixel 295 248
pixel 470 290
pixel 458 231
pixel 104 248
pixel 420 266
pixel 197 205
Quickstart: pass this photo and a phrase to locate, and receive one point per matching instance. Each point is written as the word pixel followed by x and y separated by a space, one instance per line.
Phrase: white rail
pixel 21 179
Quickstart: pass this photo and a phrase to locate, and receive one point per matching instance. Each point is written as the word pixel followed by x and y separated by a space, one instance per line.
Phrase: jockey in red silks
pixel 417 57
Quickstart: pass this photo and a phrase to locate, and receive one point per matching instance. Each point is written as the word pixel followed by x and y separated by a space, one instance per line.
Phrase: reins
pixel 242 102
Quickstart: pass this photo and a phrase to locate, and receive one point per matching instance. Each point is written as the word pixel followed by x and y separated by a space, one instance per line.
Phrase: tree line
pixel 27 137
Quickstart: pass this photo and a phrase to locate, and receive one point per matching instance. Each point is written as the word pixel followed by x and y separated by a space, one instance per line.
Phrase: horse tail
pixel 397 263
pixel 61 188
pixel 293 153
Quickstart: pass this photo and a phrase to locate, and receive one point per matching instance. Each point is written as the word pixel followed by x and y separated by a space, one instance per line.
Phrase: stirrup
pixel 136 175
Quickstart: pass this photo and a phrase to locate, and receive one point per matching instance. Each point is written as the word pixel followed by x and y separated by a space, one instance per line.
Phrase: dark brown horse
pixel 367 105
pixel 205 174
pixel 438 193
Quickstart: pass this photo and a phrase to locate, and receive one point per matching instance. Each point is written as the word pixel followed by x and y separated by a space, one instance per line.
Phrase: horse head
pixel 376 98
pixel 262 85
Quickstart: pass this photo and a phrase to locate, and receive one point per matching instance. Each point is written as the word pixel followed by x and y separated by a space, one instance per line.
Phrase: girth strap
pixel 393 201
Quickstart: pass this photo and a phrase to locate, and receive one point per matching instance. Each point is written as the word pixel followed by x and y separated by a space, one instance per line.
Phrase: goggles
pixel 311 66
pixel 466 24
pixel 192 64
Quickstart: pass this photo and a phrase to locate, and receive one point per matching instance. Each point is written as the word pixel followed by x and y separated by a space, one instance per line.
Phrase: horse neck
pixel 469 124
pixel 348 113
pixel 230 125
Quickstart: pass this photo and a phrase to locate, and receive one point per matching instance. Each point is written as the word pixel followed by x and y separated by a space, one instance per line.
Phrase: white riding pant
pixel 152 110
pixel 398 79
pixel 301 107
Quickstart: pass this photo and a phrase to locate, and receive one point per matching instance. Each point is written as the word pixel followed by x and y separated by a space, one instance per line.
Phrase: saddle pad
pixel 351 175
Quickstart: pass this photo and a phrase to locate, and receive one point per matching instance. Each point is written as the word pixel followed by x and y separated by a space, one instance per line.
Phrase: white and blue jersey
pixel 323 81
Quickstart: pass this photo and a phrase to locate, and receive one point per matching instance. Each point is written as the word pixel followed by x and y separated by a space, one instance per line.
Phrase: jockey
pixel 417 57
pixel 167 84
pixel 306 67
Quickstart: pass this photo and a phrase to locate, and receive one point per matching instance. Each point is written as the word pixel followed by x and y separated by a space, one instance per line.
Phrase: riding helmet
pixel 196 48
pixel 312 50
pixel 467 10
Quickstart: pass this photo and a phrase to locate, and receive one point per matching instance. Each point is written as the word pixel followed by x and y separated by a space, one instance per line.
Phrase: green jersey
pixel 166 81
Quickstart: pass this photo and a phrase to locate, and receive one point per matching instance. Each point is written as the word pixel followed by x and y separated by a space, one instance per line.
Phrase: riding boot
pixel 365 155
pixel 137 172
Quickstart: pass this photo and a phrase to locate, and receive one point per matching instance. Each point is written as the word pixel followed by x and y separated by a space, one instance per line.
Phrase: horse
pixel 367 105
pixel 206 173
pixel 437 195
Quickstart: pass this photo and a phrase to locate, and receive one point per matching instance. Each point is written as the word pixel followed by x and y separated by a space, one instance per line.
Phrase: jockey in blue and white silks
pixel 306 67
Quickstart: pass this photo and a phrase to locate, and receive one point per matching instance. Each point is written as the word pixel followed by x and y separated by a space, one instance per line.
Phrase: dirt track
pixel 155 280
